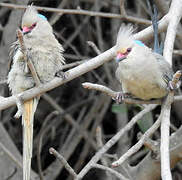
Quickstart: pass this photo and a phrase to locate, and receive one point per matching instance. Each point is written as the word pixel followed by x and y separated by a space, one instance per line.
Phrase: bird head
pixel 32 20
pixel 126 43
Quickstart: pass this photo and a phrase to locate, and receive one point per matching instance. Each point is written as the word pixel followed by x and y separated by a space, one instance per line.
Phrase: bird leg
pixel 19 103
pixel 121 96
pixel 60 74
pixel 175 83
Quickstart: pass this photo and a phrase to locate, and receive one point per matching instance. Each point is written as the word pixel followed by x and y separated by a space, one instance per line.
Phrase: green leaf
pixel 145 122
pixel 119 108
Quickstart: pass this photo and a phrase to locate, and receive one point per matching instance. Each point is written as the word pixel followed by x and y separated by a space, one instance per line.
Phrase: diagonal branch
pixel 25 56
pixel 113 140
pixel 63 161
pixel 81 69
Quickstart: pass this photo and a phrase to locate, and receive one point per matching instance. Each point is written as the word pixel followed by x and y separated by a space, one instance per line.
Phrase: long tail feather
pixel 27 120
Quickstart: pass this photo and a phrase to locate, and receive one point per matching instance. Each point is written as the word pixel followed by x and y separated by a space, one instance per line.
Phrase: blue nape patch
pixel 42 16
pixel 139 43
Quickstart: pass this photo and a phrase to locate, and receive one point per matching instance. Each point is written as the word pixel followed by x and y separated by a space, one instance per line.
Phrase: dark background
pixel 88 108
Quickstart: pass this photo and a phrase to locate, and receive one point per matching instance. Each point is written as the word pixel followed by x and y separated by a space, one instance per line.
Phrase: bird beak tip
pixel 25 29
pixel 120 57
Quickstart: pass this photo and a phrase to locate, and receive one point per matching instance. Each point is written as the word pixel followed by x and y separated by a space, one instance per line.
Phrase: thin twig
pixel 70 65
pixel 81 12
pixel 28 61
pixel 177 52
pixel 99 137
pixel 42 131
pixel 104 159
pixel 112 171
pixel 11 156
pixel 122 9
pixel 139 144
pixel 71 121
pixel 150 144
pixel 63 161
pixel 113 140
pixel 95 48
pixel 113 94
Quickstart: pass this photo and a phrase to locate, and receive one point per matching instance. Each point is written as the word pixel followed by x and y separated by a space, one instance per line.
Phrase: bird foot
pixel 121 96
pixel 19 103
pixel 172 86
pixel 60 74
pixel 175 83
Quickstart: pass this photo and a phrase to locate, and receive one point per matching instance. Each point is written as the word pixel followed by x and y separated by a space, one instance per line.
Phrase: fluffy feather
pixel 30 16
pixel 125 37
pixel 46 54
pixel 143 73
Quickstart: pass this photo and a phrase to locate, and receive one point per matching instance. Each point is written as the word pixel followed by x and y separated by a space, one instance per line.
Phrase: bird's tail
pixel 27 121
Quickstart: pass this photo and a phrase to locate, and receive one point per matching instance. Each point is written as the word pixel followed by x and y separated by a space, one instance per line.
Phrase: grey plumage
pixel 46 54
pixel 142 72
pixel 44 51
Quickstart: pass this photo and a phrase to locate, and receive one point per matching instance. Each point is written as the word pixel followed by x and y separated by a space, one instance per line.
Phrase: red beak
pixel 26 29
pixel 120 57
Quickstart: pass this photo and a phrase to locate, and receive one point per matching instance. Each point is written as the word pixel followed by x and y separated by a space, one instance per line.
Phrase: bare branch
pixel 113 140
pixel 150 144
pixel 113 94
pixel 81 69
pixel 63 161
pixel 11 156
pixel 175 16
pixel 139 144
pixel 82 12
pixel 122 9
pixel 112 171
pixel 165 128
pixel 28 61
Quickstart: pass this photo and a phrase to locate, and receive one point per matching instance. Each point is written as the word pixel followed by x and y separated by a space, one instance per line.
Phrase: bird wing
pixel 13 49
pixel 165 68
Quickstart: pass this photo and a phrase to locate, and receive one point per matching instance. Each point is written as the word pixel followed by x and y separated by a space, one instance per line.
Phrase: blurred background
pixel 68 116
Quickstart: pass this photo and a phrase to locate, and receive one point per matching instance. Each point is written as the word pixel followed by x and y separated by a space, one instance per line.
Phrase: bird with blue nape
pixel 143 73
pixel 46 54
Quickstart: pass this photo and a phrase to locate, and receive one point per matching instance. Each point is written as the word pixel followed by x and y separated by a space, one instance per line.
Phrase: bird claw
pixel 60 74
pixel 18 114
pixel 172 86
pixel 19 103
pixel 121 96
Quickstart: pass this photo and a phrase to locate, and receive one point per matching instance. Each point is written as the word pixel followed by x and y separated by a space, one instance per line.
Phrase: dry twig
pixel 82 12
pixel 113 140
pixel 63 161
pixel 113 94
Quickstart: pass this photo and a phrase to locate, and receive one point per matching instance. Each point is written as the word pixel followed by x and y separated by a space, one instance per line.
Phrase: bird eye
pixel 33 25
pixel 128 50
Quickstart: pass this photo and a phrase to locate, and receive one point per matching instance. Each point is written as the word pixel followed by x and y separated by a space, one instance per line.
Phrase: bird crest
pixel 125 36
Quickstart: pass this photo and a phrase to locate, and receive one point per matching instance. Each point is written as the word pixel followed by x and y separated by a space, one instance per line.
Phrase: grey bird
pixel 46 54
pixel 143 73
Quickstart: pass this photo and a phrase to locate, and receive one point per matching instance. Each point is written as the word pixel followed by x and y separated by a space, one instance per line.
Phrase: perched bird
pixel 143 73
pixel 46 54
